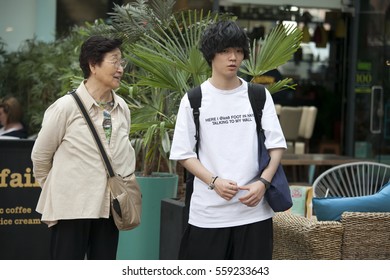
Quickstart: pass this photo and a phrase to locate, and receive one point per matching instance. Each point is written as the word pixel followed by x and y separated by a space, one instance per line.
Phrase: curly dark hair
pixel 93 51
pixel 222 35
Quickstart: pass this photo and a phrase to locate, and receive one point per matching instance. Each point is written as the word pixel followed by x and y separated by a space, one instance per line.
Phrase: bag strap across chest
pixel 92 128
pixel 256 94
pixel 195 98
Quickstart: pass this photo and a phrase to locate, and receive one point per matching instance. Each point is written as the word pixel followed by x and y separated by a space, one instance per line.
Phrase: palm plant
pixel 277 48
pixel 168 62
pixel 171 49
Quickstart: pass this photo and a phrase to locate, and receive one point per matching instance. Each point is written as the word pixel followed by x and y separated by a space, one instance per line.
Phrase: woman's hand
pixel 256 191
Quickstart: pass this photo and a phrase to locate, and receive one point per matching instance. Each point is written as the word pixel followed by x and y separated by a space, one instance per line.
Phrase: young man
pixel 228 219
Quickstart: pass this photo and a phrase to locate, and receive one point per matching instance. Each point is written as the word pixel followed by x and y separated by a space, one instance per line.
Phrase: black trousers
pixel 93 239
pixel 247 242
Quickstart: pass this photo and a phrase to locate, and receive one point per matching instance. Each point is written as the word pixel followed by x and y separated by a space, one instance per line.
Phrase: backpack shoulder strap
pixel 257 97
pixel 195 98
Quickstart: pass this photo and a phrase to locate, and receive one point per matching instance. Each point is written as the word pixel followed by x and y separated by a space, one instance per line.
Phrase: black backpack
pixel 256 93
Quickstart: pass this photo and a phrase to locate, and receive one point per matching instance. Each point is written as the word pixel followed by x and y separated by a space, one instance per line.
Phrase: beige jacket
pixel 67 162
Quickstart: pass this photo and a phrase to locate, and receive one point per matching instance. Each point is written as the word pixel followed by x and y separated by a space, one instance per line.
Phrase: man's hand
pixel 256 191
pixel 226 189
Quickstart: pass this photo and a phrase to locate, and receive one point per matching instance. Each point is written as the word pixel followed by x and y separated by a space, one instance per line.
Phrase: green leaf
pixel 277 48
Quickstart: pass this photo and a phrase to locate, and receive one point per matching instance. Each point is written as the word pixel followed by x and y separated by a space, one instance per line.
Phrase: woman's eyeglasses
pixel 118 63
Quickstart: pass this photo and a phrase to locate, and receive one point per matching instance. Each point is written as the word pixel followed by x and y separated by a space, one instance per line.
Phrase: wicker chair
pixel 352 179
pixel 357 236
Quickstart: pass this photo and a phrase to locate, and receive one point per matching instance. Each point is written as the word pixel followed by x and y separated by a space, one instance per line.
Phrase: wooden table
pixel 312 161
pixel 316 159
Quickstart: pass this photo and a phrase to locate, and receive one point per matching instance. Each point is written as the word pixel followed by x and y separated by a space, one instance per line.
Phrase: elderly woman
pixel 75 199
pixel 11 115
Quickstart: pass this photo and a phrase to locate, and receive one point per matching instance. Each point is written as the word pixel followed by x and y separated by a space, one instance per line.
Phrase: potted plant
pixel 162 46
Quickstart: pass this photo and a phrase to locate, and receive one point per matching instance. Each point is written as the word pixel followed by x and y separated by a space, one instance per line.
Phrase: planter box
pixel 174 218
pixel 143 242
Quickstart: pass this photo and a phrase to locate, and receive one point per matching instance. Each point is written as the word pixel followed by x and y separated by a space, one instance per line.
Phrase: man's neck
pixel 225 84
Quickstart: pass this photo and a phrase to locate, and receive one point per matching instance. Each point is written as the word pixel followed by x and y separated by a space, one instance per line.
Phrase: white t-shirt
pixel 227 148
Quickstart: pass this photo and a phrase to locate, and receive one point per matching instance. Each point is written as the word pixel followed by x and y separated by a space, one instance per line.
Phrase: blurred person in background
pixel 11 115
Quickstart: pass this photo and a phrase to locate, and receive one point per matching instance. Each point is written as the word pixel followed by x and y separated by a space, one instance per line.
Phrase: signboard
pixel 363 77
pixel 22 235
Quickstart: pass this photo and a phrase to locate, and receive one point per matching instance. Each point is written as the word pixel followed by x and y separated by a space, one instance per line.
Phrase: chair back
pixel 290 119
pixel 278 108
pixel 306 127
pixel 308 119
pixel 352 179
